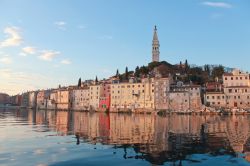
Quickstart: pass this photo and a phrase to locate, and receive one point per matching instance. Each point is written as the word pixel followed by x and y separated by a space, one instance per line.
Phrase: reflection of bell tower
pixel 155 47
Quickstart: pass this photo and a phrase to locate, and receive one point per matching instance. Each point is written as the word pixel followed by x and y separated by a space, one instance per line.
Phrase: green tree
pixel 207 69
pixel 117 73
pixel 218 71
pixel 96 79
pixel 79 82
pixel 137 71
pixel 144 70
pixel 126 73
pixel 186 66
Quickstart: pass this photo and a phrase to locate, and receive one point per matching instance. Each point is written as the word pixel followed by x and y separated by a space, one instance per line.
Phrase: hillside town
pixel 159 86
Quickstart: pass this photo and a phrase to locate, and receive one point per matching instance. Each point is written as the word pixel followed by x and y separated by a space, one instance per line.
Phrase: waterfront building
pixel 132 95
pixel 95 92
pixel 32 99
pixel 161 90
pixel 184 97
pixel 4 98
pixel 63 99
pixel 155 47
pixel 42 99
pixel 15 100
pixel 25 100
pixel 235 94
pixel 51 102
pixel 80 98
pixel 105 96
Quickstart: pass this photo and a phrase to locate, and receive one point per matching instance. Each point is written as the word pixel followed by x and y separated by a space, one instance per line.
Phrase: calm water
pixel 42 138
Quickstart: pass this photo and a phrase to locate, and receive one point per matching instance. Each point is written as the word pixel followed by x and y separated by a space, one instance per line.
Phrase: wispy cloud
pixel 106 37
pixel 13 37
pixel 6 59
pixel 22 81
pixel 66 62
pixel 217 4
pixel 81 27
pixel 61 25
pixel 29 50
pixel 48 55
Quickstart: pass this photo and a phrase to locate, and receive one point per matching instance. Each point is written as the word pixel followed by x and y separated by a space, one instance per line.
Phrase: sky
pixel 45 43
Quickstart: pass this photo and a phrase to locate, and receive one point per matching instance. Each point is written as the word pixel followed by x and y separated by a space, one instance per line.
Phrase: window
pixel 236 78
pixel 245 90
pixel 232 78
pixel 207 97
pixel 238 97
pixel 212 97
pixel 230 90
pixel 240 78
pixel 219 103
pixel 225 78
pixel 235 90
pixel 218 97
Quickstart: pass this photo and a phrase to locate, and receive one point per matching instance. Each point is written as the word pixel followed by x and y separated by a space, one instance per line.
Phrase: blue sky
pixel 44 43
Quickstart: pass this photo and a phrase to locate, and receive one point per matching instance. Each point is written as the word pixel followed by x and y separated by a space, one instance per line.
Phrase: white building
pixel 235 94
pixel 80 99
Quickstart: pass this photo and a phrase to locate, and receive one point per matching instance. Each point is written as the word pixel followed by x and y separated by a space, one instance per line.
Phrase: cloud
pixel 48 55
pixel 81 27
pixel 21 81
pixel 6 59
pixel 217 4
pixel 61 25
pixel 13 37
pixel 66 62
pixel 106 37
pixel 29 50
pixel 22 54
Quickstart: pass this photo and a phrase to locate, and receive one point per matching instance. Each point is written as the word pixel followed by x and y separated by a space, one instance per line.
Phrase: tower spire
pixel 155 47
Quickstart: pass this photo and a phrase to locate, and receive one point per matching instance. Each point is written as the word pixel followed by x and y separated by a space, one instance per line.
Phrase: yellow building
pixel 63 99
pixel 132 96
pixel 95 91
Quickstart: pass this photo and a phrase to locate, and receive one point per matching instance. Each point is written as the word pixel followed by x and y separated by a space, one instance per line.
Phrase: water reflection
pixel 156 139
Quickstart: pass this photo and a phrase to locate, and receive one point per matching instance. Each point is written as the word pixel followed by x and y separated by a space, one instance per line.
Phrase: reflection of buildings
pixel 155 139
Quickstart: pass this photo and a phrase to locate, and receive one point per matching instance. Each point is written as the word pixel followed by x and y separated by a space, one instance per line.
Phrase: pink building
pixel 105 97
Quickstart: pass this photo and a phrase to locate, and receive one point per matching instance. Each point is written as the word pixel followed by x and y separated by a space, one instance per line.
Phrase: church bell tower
pixel 155 47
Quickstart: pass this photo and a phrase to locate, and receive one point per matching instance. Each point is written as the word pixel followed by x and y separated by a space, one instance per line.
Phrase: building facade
pixel 235 92
pixel 105 96
pixel 80 100
pixel 95 91
pixel 63 99
pixel 162 88
pixel 185 97
pixel 132 96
